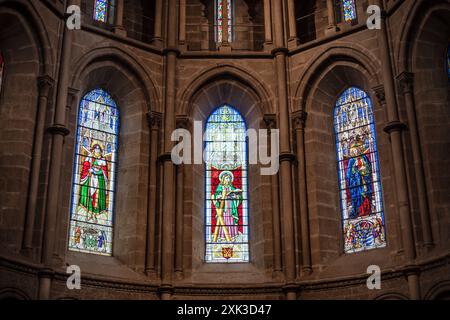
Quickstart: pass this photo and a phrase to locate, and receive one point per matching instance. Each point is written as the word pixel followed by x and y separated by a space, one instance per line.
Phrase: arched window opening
pixel 104 11
pixel 358 172
pixel 226 198
pixel 94 175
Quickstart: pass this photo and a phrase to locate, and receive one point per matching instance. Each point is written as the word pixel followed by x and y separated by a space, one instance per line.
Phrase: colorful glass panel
pixel 448 62
pixel 101 10
pixel 226 220
pixel 349 10
pixel 94 177
pixel 219 20
pixel 358 168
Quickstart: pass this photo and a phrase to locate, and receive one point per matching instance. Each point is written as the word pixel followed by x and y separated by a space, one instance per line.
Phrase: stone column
pixel 118 24
pixel 58 130
pixel 406 81
pixel 293 40
pixel 271 123
pixel 299 123
pixel 182 123
pixel 267 24
pixel 154 123
pixel 332 28
pixel 171 53
pixel 157 37
pixel 45 84
pixel 182 24
pixel 225 44
pixel 286 156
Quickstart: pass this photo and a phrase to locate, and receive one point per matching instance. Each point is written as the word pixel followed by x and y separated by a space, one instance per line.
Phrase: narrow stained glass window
pixel 226 220
pixel 101 10
pixel 358 170
pixel 2 67
pixel 93 190
pixel 349 10
pixel 219 19
pixel 448 62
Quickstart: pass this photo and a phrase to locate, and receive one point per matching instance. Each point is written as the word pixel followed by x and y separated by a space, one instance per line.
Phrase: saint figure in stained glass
pixel 358 168
pixel 95 166
pixel 226 187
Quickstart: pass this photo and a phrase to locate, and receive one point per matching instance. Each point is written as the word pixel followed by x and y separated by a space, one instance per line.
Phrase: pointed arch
pixel 94 174
pixel 226 187
pixel 358 172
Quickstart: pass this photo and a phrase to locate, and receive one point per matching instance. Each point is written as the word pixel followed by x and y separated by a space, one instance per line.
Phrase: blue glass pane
pixel 349 10
pixel 358 171
pixel 101 10
pixel 94 175
pixel 225 154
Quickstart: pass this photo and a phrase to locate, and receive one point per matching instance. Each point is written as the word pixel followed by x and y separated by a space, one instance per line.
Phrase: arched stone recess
pixel 323 81
pixel 27 55
pixel 13 294
pixel 392 296
pixel 423 54
pixel 440 291
pixel 133 91
pixel 212 89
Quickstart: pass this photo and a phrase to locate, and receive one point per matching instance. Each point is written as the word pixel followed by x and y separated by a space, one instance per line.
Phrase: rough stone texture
pixel 132 69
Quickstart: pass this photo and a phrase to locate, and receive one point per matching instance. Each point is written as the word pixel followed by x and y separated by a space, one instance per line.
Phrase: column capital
pixel 45 84
pixel 58 129
pixel 154 120
pixel 270 121
pixel 380 94
pixel 183 122
pixel 279 50
pixel 394 126
pixel 299 119
pixel 406 81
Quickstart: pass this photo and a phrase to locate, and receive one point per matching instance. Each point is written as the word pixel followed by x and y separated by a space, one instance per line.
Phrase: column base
pixel 293 43
pixel 268 46
pixel 119 30
pixel 331 30
pixel 225 48
pixel 157 42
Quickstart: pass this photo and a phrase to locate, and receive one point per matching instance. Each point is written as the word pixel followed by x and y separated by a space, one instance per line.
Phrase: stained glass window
pixel 358 170
pixel 104 11
pixel 226 187
pixel 2 67
pixel 448 62
pixel 349 10
pixel 94 177
pixel 219 19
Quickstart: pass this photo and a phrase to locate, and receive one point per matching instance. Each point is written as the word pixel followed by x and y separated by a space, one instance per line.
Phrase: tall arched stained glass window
pixel 94 175
pixel 349 9
pixel 104 11
pixel 219 19
pixel 358 170
pixel 225 155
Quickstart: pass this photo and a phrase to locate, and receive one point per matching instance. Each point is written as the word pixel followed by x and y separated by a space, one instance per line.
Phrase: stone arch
pixel 26 50
pixel 28 15
pixel 391 296
pixel 124 61
pixel 238 75
pixel 355 56
pixel 211 89
pixel 132 89
pixel 13 294
pixel 440 291
pixel 327 77
pixel 422 52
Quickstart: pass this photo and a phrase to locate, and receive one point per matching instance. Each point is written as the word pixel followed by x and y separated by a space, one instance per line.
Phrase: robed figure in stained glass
pixel 358 172
pixel 94 181
pixel 359 180
pixel 226 200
